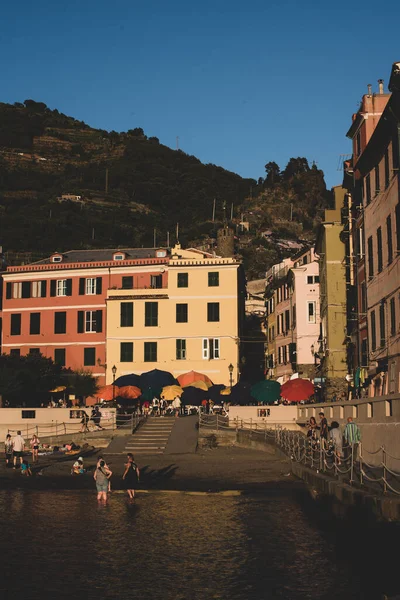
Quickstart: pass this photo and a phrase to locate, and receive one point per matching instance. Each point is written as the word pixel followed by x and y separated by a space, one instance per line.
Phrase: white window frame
pixel 312 319
pixel 61 287
pixel 90 286
pixel 90 321
pixel 182 350
pixel 17 290
pixel 207 349
pixel 119 256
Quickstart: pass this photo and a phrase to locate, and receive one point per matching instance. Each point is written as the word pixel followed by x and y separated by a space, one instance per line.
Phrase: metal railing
pixel 321 455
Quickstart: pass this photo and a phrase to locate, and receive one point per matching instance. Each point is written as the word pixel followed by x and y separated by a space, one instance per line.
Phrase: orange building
pixel 57 306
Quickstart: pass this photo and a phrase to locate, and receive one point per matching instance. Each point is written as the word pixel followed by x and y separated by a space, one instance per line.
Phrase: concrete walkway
pixel 184 436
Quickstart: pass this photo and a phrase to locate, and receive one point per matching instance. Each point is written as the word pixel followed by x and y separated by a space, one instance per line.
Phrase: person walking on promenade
pixel 336 437
pixel 84 421
pixel 34 443
pixel 323 429
pixel 101 476
pixel 176 405
pixel 8 449
pixel 352 437
pixel 18 443
pixel 131 476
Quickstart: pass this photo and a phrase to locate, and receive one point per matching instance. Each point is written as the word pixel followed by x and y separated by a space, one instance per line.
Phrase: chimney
pixel 369 89
pixel 380 83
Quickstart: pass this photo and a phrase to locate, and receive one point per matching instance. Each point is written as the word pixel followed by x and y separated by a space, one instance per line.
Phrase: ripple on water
pixel 165 547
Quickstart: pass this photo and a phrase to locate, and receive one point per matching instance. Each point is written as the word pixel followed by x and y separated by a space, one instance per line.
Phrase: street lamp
pixel 230 369
pixel 114 370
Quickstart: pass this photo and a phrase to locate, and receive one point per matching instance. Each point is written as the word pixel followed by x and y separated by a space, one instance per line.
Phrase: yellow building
pixel 191 321
pixel 271 354
pixel 331 353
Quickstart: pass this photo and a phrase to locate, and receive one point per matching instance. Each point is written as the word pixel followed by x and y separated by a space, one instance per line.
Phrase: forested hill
pixel 131 185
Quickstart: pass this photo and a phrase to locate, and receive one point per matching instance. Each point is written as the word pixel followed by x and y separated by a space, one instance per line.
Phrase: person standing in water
pixel 131 476
pixel 101 476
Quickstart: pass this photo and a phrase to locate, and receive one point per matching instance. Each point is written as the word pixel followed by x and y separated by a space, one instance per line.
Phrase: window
pixel 180 349
pixel 368 188
pixel 56 259
pixel 89 357
pixel 34 324
pixel 34 351
pixel 284 352
pixel 28 414
pixel 309 279
pixel 373 331
pixel 60 322
pixel 311 312
pixel 287 320
pixel 280 355
pixel 387 171
pixel 151 314
pixel 127 282
pixel 361 242
pixel 61 287
pixel 213 279
pixel 377 182
pixel 17 290
pixel 211 348
pixel 126 352
pixel 90 287
pixel 119 257
pixel 398 227
pixel 15 324
pixel 212 312
pixel 59 356
pixel 26 289
pixel 39 289
pixel 181 313
pixel 364 353
pixel 126 314
pixel 15 352
pixel 392 316
pixel 358 143
pixel 156 282
pixel 183 280
pixel 370 258
pixel 363 291
pixel 316 278
pixel 382 324
pixel 150 352
pixel 90 321
pixel 294 316
pixel 389 238
pixel 379 245
pixel 278 324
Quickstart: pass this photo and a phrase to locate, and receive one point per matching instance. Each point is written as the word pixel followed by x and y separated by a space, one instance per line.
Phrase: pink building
pixel 57 306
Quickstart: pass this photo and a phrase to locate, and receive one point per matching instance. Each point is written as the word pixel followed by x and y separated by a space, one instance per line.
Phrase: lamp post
pixel 114 370
pixel 230 369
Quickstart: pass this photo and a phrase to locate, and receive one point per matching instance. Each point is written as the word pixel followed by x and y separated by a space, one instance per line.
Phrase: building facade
pixel 331 353
pixel 193 323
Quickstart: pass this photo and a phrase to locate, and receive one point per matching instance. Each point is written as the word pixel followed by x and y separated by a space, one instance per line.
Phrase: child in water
pixel 26 468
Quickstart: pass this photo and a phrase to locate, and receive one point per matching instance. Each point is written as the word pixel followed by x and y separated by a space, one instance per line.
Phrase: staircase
pixel 152 437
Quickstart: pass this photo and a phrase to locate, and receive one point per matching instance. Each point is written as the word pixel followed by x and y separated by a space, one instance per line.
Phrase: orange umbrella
pixel 105 393
pixel 296 390
pixel 129 392
pixel 188 378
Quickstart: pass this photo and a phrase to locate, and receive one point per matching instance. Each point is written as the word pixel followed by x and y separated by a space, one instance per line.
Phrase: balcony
pixel 275 278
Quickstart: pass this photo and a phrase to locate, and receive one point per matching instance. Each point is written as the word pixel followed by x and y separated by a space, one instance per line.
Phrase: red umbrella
pixel 105 393
pixel 188 378
pixel 297 389
pixel 129 392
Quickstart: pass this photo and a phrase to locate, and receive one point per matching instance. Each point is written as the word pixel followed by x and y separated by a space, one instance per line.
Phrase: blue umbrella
pixel 156 380
pixel 214 393
pixel 193 396
pixel 131 379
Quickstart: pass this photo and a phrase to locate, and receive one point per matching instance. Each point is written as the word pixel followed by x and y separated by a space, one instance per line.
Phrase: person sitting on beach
pixel 77 467
pixel 26 468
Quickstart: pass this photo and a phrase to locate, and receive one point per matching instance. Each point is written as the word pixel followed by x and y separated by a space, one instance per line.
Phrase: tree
pixel 82 383
pixel 295 166
pixel 273 174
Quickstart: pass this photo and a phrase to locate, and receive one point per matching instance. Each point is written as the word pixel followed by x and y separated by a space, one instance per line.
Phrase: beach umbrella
pixel 156 379
pixel 266 391
pixel 129 392
pixel 214 392
pixel 60 388
pixel 170 392
pixel 188 378
pixel 226 391
pixel 193 396
pixel 131 379
pixel 106 392
pixel 200 385
pixel 241 393
pixel 297 389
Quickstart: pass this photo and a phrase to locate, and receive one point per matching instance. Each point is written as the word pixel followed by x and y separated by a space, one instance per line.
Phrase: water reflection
pixel 166 546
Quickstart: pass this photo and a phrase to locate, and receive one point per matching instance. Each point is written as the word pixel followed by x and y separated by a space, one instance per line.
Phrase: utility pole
pixel 167 239
pixel 232 212
pixel 213 212
pixel 177 233
pixel 291 211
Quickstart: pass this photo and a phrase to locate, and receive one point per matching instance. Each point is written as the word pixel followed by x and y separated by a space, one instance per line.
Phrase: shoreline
pixel 207 471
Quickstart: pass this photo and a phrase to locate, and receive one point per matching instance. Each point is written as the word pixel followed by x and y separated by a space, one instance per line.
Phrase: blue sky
pixel 240 83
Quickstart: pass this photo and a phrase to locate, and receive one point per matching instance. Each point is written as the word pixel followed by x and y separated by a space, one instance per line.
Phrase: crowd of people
pixel 331 436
